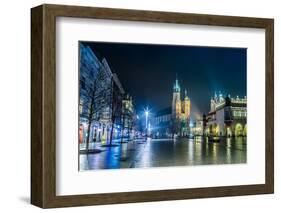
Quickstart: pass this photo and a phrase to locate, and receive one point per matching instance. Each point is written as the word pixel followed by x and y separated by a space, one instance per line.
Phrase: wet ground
pixel 164 152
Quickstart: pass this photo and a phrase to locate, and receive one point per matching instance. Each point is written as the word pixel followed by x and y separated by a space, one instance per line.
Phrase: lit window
pixel 81 106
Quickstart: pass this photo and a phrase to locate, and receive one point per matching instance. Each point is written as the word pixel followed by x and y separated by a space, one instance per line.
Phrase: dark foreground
pixel 164 152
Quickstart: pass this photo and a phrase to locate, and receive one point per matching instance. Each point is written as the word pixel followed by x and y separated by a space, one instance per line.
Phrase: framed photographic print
pixel 135 106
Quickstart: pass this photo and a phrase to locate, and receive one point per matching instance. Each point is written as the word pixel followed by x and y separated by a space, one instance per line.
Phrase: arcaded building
pixel 227 116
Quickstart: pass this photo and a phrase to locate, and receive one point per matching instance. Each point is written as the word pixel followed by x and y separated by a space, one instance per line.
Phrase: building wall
pixel 128 117
pixel 227 117
pixel 220 121
pixel 101 91
pixel 162 126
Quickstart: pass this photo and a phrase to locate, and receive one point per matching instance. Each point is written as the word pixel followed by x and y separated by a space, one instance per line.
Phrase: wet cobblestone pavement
pixel 164 153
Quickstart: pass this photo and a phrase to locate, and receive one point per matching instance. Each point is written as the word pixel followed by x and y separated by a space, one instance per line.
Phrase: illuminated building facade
pixel 180 111
pixel 128 117
pixel 196 128
pixel 227 117
pixel 100 98
pixel 174 120
pixel 163 123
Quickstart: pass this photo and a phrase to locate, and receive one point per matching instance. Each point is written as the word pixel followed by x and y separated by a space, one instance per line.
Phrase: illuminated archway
pixel 238 130
pixel 216 130
pixel 228 131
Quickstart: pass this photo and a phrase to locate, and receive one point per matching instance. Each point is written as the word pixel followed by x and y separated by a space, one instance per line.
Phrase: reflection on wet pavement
pixel 165 152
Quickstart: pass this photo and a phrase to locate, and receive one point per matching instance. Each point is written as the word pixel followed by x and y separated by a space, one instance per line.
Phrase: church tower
pixel 176 103
pixel 186 105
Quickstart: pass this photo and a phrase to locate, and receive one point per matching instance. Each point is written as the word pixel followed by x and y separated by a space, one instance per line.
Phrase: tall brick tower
pixel 176 103
pixel 186 106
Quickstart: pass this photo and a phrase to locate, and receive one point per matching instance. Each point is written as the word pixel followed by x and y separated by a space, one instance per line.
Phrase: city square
pixel 170 119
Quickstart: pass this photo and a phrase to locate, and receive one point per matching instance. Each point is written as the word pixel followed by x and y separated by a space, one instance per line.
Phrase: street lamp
pixel 146 112
pixel 146 117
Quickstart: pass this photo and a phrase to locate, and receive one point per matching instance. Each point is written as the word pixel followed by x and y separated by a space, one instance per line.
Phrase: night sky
pixel 147 72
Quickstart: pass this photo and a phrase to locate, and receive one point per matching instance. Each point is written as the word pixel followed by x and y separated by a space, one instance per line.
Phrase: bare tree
pixel 127 119
pixel 116 108
pixel 94 101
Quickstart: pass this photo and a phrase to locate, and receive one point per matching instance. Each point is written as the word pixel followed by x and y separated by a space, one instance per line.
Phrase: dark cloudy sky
pixel 148 72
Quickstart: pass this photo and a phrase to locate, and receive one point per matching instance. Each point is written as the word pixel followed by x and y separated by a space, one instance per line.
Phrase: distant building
pixel 128 117
pixel 196 128
pixel 163 123
pixel 100 97
pixel 174 120
pixel 227 116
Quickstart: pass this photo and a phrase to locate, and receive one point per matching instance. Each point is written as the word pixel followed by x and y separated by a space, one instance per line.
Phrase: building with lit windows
pixel 100 98
pixel 163 123
pixel 128 118
pixel 227 116
pixel 196 128
pixel 174 120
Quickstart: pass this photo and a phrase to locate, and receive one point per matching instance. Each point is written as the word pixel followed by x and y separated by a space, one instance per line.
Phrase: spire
pixel 215 95
pixel 176 85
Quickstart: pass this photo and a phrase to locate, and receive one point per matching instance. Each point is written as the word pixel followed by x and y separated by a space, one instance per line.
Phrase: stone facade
pixel 227 116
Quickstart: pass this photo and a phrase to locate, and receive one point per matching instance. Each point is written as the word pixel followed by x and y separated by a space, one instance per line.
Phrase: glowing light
pixel 190 124
pixel 146 112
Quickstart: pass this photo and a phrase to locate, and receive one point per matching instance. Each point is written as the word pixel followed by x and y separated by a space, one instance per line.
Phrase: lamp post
pixel 146 112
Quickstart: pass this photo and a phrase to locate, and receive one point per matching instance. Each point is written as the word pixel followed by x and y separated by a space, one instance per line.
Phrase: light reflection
pixel 124 151
pixel 214 152
pixel 190 150
pixel 146 154
pixel 228 150
pixel 165 152
pixel 198 150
